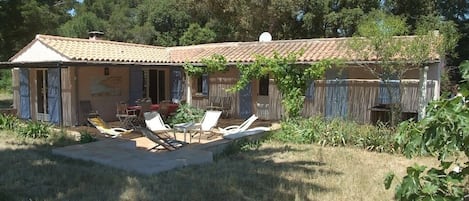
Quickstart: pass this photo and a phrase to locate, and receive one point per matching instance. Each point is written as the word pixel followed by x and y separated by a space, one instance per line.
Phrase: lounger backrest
pixel 154 121
pixel 210 119
pixel 98 122
pixel 245 125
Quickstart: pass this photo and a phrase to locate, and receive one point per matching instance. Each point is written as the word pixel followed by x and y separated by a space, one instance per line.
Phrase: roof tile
pixel 103 50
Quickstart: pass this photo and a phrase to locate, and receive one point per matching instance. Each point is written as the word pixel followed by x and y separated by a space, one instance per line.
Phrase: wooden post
pixel 189 89
pixel 423 92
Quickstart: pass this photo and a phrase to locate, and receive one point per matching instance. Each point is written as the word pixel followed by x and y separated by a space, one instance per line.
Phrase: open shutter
pixel 384 96
pixel 53 96
pixel 136 84
pixel 309 94
pixel 25 105
pixel 176 85
pixel 245 101
pixel 205 84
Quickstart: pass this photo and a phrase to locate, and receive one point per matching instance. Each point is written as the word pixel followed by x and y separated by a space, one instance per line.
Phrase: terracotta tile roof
pixel 103 50
pixel 314 50
pixel 109 51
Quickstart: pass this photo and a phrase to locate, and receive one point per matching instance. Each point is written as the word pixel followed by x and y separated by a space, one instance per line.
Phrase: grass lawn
pixel 273 172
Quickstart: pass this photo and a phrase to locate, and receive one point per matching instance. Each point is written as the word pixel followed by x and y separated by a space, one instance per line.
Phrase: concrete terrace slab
pixel 123 154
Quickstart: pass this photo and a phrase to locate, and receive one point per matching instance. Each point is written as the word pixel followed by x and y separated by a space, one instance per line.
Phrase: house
pixel 56 79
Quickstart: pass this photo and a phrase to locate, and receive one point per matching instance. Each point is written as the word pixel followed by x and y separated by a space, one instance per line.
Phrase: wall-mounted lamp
pixel 106 71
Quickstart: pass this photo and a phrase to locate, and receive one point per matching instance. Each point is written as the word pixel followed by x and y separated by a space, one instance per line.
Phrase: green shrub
pixel 5 81
pixel 34 129
pixel 336 132
pixel 186 113
pixel 8 122
pixel 377 138
pixel 86 137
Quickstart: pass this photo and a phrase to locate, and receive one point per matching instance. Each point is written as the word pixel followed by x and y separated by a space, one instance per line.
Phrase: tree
pixel 443 133
pixel 378 35
pixel 197 35
pixel 21 20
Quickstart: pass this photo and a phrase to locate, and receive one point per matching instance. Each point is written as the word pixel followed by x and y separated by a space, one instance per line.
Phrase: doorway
pixel 156 85
pixel 42 106
pixel 263 100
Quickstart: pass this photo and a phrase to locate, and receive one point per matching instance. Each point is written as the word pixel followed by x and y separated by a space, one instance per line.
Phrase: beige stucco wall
pixel 104 92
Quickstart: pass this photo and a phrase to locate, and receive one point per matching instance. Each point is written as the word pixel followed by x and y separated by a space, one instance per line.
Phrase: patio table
pixel 155 107
pixel 183 127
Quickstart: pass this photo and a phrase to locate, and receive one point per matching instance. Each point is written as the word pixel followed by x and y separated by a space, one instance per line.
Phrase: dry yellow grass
pixel 275 171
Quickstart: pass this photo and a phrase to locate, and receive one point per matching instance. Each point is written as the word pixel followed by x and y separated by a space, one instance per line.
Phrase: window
pixel 264 86
pixel 202 85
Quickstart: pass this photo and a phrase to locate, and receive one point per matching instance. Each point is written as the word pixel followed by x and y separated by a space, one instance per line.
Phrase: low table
pixel 183 127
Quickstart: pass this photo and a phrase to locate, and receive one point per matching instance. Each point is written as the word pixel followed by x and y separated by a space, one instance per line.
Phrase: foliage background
pixel 181 22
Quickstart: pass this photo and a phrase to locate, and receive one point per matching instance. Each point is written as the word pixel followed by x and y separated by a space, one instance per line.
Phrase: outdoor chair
pixel 86 111
pixel 226 106
pixel 209 121
pixel 164 108
pixel 105 129
pixel 155 123
pixel 238 128
pixel 168 144
pixel 144 106
pixel 126 117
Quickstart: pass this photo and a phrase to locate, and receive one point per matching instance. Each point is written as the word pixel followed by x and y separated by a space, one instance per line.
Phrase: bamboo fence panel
pixel 362 95
pixel 219 87
pixel 275 108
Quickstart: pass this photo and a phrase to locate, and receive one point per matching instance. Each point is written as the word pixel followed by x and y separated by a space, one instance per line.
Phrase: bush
pixel 34 129
pixel 8 122
pixel 336 132
pixel 86 137
pixel 5 81
pixel 186 113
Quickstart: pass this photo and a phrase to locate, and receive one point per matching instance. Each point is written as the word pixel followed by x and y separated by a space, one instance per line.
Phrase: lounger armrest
pixel 231 127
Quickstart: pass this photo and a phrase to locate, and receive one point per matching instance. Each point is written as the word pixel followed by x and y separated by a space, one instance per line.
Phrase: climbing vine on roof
pixel 215 63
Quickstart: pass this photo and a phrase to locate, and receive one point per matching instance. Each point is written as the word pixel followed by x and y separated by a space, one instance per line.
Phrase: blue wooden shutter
pixel 53 96
pixel 205 84
pixel 176 85
pixel 336 98
pixel 309 94
pixel 25 105
pixel 336 94
pixel 245 101
pixel 136 84
pixel 384 96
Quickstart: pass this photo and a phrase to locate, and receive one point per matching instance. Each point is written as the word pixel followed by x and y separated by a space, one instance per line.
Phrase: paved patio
pixel 130 152
pixel 124 154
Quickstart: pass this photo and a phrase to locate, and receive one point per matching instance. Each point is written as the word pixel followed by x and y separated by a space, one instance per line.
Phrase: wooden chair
pixel 226 106
pixel 126 117
pixel 164 108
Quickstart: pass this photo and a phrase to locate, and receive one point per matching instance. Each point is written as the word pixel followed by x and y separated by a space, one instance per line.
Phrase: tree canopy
pixel 183 22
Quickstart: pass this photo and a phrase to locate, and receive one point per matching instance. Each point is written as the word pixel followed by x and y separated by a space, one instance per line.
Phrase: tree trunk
pixel 423 92
pixel 188 90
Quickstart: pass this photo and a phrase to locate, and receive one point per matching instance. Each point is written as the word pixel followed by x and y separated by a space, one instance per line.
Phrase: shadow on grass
pixel 33 173
pixel 248 176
